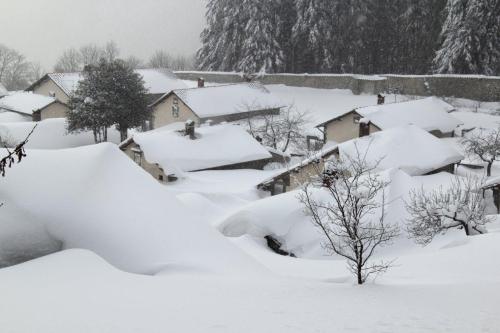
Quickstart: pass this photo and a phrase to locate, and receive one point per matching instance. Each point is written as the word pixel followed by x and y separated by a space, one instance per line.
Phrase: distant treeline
pixel 352 36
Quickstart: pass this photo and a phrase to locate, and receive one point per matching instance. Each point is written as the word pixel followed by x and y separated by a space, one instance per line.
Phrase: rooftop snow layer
pixel 228 99
pixel 156 81
pixel 214 146
pixel 49 134
pixel 25 102
pixel 429 114
pixel 408 148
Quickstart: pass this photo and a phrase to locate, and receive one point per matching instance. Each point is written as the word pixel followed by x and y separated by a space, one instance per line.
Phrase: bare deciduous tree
pixel 461 206
pixel 347 204
pixel 70 61
pixel 485 144
pixel 160 59
pixel 280 131
pixel 14 69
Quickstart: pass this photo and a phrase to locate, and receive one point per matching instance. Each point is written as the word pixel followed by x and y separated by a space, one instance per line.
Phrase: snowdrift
pixel 96 198
pixel 284 217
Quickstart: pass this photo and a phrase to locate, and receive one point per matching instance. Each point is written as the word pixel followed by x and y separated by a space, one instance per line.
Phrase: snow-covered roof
pixel 25 102
pixel 214 146
pixel 408 148
pixel 49 134
pixel 156 81
pixel 492 182
pixel 428 113
pixel 228 99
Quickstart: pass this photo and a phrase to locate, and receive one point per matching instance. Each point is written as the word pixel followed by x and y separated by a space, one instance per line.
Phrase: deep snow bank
pixel 96 198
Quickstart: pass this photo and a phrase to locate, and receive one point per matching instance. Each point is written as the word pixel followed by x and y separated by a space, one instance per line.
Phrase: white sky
pixel 42 29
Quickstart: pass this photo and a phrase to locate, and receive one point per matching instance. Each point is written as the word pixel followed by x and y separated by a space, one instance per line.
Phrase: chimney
pixel 380 99
pixel 189 131
pixel 201 82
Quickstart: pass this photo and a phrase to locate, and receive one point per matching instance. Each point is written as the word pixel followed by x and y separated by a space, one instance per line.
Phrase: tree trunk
pixel 466 228
pixel 95 136
pixel 123 133
pixel 488 169
pixel 360 275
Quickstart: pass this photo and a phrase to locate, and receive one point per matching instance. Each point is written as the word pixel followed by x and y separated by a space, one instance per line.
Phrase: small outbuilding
pixel 217 104
pixel 166 153
pixel 430 114
pixel 32 106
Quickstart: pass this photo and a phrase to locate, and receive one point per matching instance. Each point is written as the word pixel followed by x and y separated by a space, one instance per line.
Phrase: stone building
pixel 60 86
pixel 431 114
pixel 223 103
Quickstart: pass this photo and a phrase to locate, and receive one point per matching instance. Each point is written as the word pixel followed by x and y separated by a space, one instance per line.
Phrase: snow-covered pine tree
pixel 286 15
pixel 261 51
pixel 223 37
pixel 110 93
pixel 381 37
pixel 470 38
pixel 313 35
pixel 421 23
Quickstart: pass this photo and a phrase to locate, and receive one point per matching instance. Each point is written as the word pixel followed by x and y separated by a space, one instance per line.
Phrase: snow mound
pixel 96 198
pixel 49 134
pixel 408 148
pixel 13 117
pixel 214 146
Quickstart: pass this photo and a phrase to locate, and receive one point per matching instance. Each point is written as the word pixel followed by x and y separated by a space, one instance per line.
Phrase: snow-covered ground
pixel 138 256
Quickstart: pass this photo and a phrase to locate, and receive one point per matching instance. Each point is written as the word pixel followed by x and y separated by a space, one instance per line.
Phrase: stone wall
pixel 481 88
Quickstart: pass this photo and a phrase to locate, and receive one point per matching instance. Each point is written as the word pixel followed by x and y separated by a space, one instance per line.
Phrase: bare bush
pixel 461 206
pixel 485 144
pixel 280 131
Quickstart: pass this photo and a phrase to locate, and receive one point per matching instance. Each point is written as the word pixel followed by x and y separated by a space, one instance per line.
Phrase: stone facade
pixel 164 113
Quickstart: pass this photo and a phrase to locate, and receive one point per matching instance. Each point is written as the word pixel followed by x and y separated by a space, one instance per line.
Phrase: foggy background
pixel 43 29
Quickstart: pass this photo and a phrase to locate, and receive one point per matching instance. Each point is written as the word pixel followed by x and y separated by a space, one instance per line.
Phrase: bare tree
pixel 14 69
pixel 280 131
pixel 347 204
pixel 160 59
pixel 461 206
pixel 111 51
pixel 134 62
pixel 90 55
pixel 70 61
pixel 36 72
pixel 485 144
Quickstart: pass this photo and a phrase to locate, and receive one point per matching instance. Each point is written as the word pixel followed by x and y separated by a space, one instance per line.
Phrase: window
pixel 138 158
pixel 175 111
pixel 160 178
pixel 356 118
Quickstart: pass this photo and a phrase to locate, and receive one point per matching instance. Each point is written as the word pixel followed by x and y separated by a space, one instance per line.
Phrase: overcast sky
pixel 42 29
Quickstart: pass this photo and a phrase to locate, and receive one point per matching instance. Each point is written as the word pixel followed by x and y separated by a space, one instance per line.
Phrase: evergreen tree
pixel 422 22
pixel 223 37
pixel 313 35
pixel 261 50
pixel 470 38
pixel 110 93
